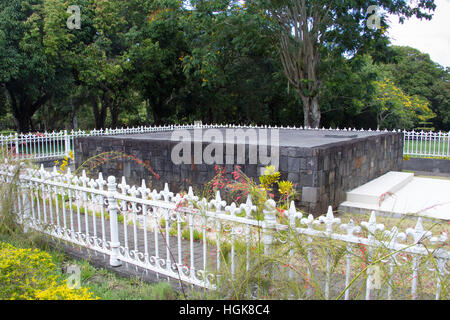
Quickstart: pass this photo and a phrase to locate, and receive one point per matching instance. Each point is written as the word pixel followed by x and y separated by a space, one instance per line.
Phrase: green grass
pixel 425 147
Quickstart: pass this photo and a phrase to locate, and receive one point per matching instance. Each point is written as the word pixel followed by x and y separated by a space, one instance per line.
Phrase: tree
pixel 416 74
pixel 401 110
pixel 34 56
pixel 152 59
pixel 232 70
pixel 312 30
pixel 347 90
pixel 100 68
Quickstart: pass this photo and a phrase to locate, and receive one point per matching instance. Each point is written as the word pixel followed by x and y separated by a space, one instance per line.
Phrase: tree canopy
pixel 283 62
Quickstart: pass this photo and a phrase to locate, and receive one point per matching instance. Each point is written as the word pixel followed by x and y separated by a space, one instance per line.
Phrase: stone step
pixel 378 189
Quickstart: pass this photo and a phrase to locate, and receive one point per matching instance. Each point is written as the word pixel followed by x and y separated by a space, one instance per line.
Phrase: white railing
pixel 426 143
pixel 38 146
pixel 183 237
pixel 49 145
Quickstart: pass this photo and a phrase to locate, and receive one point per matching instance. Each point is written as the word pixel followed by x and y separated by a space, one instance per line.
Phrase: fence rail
pixel 203 243
pixel 428 144
pixel 48 145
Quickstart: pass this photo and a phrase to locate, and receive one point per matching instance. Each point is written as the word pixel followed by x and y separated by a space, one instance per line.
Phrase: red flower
pixel 281 211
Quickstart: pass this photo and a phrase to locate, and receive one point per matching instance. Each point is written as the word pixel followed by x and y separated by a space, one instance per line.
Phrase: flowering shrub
pixel 65 162
pixel 240 186
pixel 30 274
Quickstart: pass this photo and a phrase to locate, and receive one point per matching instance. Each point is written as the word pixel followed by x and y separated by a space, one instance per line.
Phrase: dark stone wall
pixel 322 174
pixel 427 165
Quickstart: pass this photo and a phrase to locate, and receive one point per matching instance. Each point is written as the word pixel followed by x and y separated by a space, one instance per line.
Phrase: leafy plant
pixel 31 274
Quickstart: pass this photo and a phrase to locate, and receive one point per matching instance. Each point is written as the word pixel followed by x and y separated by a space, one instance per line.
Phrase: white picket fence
pixel 167 233
pixel 49 145
pixel 428 143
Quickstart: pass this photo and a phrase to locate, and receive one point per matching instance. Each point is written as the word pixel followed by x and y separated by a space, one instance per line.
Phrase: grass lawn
pixel 426 147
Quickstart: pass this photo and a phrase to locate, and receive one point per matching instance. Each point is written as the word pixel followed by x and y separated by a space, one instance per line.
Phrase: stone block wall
pixel 322 174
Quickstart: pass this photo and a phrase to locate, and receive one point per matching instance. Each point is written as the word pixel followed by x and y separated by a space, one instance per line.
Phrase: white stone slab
pixel 374 191
pixel 427 197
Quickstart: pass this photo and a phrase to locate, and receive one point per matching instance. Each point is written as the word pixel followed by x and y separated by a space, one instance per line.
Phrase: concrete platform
pixel 373 191
pixel 287 138
pixel 420 196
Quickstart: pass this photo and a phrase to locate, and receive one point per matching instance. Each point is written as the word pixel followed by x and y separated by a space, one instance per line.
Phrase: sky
pixel 432 37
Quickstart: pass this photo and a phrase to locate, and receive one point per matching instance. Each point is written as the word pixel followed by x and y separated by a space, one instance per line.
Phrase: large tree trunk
pixel 74 106
pixel 99 114
pixel 300 38
pixel 156 110
pixel 24 108
pixel 23 122
pixel 114 110
pixel 311 110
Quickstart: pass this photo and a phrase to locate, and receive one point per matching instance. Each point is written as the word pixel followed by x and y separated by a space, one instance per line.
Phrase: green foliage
pixel 34 55
pixel 417 75
pixel 159 61
pixel 197 235
pixel 31 274
pixel 310 34
pixel 392 104
pixel 232 70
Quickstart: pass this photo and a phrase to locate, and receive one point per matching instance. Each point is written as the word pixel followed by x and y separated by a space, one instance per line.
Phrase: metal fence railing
pixel 202 242
pixel 426 143
pixel 47 145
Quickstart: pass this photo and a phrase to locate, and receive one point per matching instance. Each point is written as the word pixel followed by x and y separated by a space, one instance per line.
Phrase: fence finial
pixel 293 214
pixel 329 219
pixel 372 224
pixel 350 228
pixel 143 189
pixel 248 207
pixel 233 209
pixel 166 194
pixel 418 233
pixel 218 203
pixel 100 181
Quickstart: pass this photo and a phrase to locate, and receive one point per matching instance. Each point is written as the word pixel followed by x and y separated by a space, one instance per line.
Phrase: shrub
pixel 31 274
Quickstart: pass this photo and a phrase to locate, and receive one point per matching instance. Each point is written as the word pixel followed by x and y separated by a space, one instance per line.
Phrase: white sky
pixel 432 37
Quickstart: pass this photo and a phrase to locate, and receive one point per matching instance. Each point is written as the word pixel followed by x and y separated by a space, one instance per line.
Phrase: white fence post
pixel 112 209
pixel 16 140
pixel 66 143
pixel 268 238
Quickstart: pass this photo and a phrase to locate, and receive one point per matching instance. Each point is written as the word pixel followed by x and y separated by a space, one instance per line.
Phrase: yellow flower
pixel 270 170
pixel 285 187
pixel 30 274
